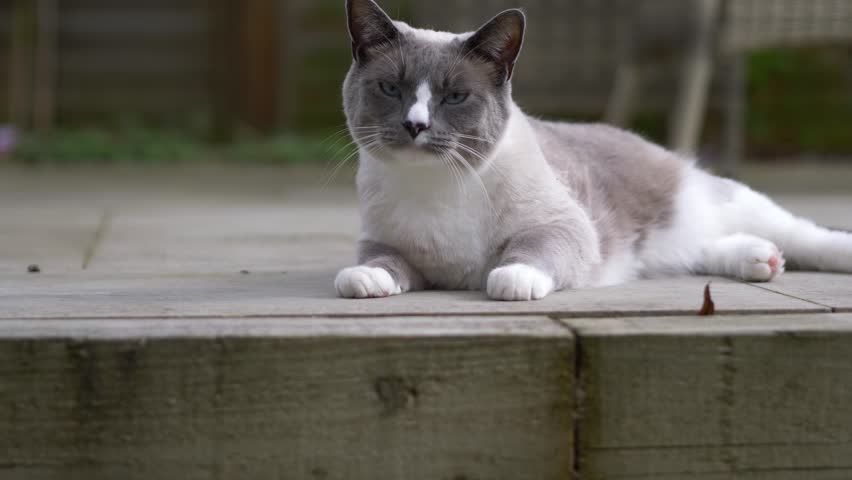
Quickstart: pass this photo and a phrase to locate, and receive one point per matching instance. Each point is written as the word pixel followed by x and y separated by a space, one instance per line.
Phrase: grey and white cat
pixel 460 189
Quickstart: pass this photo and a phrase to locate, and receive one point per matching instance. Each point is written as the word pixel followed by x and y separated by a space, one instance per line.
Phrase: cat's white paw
pixel 518 282
pixel 365 282
pixel 760 261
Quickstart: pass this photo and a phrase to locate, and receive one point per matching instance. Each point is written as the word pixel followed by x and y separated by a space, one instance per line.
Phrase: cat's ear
pixel 500 41
pixel 369 27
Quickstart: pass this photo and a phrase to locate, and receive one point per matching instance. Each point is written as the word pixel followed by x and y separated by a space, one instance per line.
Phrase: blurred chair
pixel 722 33
pixel 748 25
pixel 575 47
pixel 667 30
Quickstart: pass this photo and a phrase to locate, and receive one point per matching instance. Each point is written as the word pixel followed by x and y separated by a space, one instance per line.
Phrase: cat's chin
pixel 413 155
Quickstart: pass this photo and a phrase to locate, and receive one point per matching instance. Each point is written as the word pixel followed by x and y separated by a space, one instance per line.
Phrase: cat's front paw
pixel 518 282
pixel 365 282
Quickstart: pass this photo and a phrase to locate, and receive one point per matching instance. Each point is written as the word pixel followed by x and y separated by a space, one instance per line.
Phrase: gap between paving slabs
pixel 310 294
pixel 97 238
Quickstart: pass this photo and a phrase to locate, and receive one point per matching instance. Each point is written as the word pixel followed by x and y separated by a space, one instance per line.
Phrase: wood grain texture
pixel 685 398
pixel 833 290
pixel 54 238
pixel 290 400
pixel 294 293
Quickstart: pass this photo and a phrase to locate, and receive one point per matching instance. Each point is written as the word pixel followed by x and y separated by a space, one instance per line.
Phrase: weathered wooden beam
pixel 158 285
pixel 715 398
pixel 289 62
pixel 44 108
pixel 224 79
pixel 259 57
pixel 416 398
pixel 21 44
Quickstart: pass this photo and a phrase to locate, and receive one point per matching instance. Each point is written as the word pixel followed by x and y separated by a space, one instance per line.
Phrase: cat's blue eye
pixel 455 98
pixel 389 89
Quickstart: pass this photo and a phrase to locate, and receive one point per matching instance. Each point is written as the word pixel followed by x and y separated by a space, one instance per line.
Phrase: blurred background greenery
pixel 259 81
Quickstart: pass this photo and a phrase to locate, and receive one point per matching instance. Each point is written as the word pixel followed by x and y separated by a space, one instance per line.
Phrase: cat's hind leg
pixel 742 256
pixel 807 246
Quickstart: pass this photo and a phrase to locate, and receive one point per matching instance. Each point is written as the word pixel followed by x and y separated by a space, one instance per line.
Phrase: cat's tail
pixel 805 245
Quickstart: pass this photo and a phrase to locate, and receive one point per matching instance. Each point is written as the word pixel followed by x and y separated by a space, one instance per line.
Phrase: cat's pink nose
pixel 414 128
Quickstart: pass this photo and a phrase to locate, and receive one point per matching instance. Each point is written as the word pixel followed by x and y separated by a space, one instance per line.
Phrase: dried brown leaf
pixel 709 308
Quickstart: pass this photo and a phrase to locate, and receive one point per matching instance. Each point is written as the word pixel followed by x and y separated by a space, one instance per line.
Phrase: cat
pixel 461 190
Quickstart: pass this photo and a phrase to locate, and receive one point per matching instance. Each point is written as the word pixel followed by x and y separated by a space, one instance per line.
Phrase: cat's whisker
pixel 472 151
pixel 485 162
pixel 369 141
pixel 443 158
pixel 342 133
pixel 334 144
pixel 354 143
pixel 329 176
pixel 474 137
pixel 344 148
pixel 458 177
pixel 340 165
pixel 332 135
pixel 371 133
pixel 462 177
pixel 344 128
pixel 477 178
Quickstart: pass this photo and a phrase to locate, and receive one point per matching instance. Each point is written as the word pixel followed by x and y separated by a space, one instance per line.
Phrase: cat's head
pixel 421 96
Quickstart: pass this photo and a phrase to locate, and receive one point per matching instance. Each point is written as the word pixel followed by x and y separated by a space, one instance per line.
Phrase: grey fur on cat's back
pixel 626 183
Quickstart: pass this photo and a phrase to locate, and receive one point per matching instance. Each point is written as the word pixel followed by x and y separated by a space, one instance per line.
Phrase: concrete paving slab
pixel 300 293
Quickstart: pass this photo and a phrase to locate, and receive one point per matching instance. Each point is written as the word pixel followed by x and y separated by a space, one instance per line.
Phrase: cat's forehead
pixel 433 37
pixel 422 54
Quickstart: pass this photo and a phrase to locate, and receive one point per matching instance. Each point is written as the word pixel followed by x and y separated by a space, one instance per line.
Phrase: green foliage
pixel 162 145
pixel 100 145
pixel 800 100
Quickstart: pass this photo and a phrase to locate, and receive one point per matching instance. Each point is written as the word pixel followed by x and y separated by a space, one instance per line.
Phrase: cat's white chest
pixel 444 234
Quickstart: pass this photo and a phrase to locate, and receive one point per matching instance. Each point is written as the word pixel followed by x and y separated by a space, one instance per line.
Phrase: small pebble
pixel 33 268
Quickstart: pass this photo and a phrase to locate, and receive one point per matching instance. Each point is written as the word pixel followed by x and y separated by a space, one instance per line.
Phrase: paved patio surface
pixel 267 242
pixel 184 325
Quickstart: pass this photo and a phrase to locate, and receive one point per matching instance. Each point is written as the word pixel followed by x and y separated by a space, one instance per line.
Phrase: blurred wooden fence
pixel 260 62
pixel 273 63
pixel 151 58
pixel 112 56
